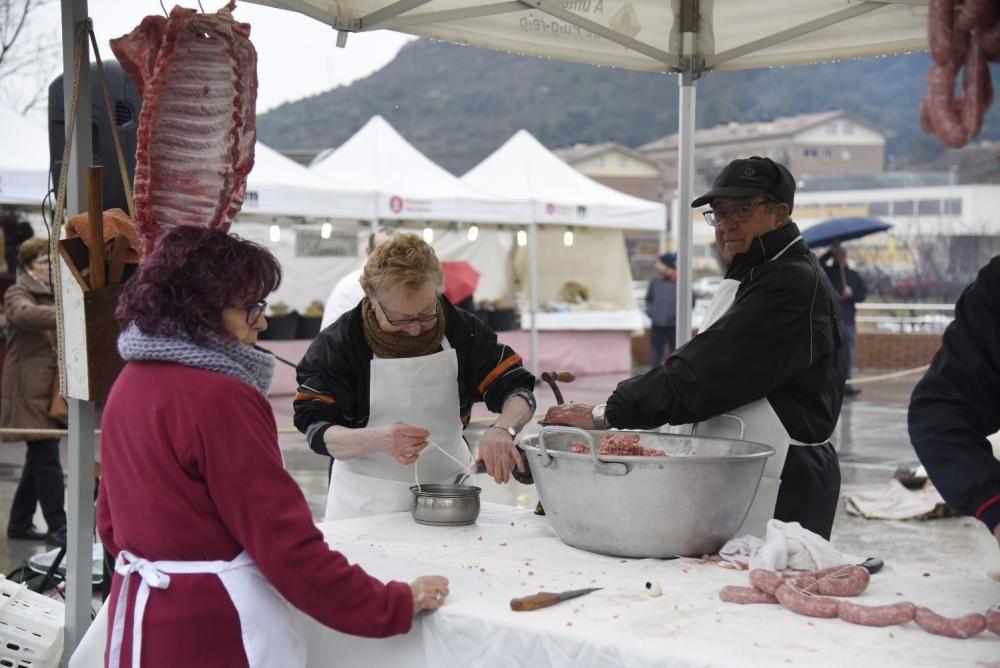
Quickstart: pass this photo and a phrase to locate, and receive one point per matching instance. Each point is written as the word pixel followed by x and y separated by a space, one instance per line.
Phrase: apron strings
pixel 416 464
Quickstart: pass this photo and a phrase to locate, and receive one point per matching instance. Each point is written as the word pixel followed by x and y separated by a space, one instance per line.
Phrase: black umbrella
pixel 842 229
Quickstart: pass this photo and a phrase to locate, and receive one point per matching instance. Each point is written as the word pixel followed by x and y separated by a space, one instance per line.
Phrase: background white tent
pixel 24 160
pixel 524 169
pixel 405 184
pixel 560 195
pixel 278 186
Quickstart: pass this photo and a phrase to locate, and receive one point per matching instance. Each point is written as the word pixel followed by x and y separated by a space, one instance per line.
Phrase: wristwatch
pixel 506 427
pixel 598 416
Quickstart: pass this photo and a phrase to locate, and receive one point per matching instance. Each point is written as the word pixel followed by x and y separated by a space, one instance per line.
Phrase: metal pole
pixel 685 181
pixel 80 496
pixel 533 292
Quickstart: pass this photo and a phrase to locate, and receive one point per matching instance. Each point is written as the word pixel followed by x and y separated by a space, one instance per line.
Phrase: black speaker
pixel 126 103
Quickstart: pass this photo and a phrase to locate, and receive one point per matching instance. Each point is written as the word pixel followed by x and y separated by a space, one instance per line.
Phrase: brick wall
pixel 875 350
pixel 882 350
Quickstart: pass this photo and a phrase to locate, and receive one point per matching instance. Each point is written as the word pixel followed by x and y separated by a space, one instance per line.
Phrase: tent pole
pixel 685 181
pixel 533 290
pixel 80 496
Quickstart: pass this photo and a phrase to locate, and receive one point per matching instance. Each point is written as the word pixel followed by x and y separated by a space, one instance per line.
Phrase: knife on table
pixel 544 599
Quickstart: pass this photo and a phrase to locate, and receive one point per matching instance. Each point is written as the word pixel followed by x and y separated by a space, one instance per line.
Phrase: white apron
pixel 421 391
pixel 755 422
pixel 270 630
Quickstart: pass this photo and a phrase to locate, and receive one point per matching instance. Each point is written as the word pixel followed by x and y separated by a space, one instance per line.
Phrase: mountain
pixel 457 104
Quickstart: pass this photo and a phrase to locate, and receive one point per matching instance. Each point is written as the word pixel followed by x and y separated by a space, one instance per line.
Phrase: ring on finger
pixel 437 595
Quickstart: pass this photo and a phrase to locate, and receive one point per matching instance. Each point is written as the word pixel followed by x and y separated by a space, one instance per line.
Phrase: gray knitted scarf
pixel 218 354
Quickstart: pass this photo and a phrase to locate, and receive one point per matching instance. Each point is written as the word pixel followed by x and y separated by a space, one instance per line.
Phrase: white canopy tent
pixel 278 186
pixel 24 161
pixel 524 169
pixel 685 36
pixel 406 185
pixel 560 195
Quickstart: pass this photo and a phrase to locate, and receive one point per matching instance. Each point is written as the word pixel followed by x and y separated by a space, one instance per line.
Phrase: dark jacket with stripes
pixel 782 339
pixel 334 375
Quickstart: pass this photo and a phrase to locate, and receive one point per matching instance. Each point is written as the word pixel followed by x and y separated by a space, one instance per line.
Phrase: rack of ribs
pixel 197 74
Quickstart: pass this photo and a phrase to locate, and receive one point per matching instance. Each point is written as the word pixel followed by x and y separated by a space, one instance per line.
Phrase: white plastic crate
pixel 31 627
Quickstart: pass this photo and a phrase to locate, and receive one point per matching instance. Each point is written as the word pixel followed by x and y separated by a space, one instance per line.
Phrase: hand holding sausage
pixel 429 593
pixel 403 442
pixel 573 415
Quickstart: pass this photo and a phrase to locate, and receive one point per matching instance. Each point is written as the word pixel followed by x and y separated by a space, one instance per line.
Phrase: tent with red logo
pixel 559 194
pixel 406 185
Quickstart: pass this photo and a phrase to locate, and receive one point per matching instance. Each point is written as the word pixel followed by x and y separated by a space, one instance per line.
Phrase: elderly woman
pixel 387 389
pixel 28 373
pixel 214 539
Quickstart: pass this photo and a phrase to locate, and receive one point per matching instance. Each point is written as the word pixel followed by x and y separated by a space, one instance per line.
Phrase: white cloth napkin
pixel 895 502
pixel 786 545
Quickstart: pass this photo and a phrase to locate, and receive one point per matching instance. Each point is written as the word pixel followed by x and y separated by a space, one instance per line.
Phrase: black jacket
pixel 334 374
pixel 859 291
pixel 781 339
pixel 957 403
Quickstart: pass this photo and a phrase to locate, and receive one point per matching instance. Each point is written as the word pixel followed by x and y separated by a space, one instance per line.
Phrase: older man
pixel 771 352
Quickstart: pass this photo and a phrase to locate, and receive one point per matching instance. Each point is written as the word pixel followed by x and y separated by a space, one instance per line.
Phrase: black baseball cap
pixel 669 259
pixel 746 177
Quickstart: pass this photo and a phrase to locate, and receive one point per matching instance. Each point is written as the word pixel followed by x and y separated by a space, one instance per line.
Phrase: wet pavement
pixel 871 439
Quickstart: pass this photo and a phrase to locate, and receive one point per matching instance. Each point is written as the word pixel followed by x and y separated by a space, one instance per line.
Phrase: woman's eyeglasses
pixel 737 214
pixel 403 322
pixel 254 311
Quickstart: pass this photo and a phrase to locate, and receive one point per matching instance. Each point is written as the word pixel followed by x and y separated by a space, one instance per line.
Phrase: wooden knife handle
pixel 534 602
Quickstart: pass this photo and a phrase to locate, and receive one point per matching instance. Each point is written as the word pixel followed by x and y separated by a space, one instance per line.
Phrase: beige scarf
pixel 388 345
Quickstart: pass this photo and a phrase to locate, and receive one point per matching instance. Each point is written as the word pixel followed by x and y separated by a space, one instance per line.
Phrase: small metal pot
pixel 445 505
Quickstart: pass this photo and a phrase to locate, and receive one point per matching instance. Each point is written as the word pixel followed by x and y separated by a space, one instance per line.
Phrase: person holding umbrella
pixel 661 307
pixel 851 289
pixel 771 352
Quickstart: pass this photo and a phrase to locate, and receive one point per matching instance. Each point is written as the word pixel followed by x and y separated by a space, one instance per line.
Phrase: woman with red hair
pixel 214 539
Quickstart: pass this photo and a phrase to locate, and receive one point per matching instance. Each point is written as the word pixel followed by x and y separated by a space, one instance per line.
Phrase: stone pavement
pixel 871 439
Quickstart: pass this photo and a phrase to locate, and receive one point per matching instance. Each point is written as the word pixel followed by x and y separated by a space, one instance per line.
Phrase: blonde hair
pixel 405 260
pixel 31 250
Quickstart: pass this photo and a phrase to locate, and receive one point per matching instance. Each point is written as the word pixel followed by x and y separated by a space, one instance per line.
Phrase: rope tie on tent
pixel 57 219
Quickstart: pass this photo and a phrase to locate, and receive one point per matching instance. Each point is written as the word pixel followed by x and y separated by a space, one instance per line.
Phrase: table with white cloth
pixel 511 552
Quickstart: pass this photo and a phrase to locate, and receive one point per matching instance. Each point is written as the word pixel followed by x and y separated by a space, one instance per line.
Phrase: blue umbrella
pixel 843 229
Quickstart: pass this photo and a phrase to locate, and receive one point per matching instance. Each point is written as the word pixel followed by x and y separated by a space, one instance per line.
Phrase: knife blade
pixel 544 599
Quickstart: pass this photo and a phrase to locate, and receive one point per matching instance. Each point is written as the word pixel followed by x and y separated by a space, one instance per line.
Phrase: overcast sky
pixel 297 55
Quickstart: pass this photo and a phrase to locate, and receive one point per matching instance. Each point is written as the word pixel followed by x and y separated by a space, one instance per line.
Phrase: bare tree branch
pixel 28 57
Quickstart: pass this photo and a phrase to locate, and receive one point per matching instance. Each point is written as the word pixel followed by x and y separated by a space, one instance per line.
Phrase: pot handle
pixel 607 468
pixel 731 416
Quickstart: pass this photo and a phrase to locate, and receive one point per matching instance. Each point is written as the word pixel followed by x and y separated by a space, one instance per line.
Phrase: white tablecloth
pixel 511 552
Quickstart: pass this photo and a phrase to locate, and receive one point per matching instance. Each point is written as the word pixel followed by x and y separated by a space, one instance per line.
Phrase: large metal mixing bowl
pixel 688 503
pixel 445 505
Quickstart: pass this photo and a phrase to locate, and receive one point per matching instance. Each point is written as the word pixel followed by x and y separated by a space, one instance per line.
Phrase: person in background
pixel 851 290
pixel 28 373
pixel 347 292
pixel 770 351
pixel 402 371
pixel 194 500
pixel 954 406
pixel 661 307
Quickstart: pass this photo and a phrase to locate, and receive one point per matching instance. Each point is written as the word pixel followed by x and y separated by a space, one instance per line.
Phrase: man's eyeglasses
pixel 403 322
pixel 737 214
pixel 254 311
